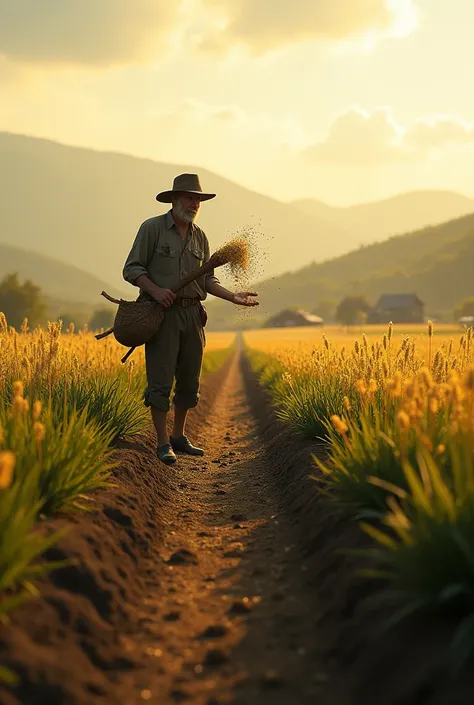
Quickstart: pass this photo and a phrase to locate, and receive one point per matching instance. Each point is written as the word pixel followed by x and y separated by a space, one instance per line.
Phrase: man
pixel 166 249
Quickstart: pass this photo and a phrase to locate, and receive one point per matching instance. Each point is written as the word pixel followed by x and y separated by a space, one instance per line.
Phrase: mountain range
pixel 83 207
pixel 68 217
pixel 392 216
pixel 436 263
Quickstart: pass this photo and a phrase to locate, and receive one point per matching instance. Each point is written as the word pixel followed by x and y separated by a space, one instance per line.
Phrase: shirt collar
pixel 170 223
pixel 169 220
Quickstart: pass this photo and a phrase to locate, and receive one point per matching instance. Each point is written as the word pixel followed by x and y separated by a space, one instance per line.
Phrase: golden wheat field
pixel 307 337
pixel 393 411
pixel 65 398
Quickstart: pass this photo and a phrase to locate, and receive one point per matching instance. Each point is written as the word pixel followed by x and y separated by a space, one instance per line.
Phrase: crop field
pixel 247 568
pixel 64 399
pixel 306 337
pixel 394 412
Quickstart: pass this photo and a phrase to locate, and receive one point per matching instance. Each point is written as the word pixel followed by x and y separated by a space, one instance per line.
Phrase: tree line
pixel 25 300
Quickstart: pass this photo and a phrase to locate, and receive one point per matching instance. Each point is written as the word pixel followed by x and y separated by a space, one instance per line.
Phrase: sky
pixel 340 100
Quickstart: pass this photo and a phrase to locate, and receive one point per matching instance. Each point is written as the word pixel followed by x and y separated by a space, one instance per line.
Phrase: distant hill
pixel 399 214
pixel 84 207
pixel 437 263
pixel 57 280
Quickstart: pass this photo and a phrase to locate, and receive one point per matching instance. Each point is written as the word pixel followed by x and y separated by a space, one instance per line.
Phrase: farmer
pixel 166 249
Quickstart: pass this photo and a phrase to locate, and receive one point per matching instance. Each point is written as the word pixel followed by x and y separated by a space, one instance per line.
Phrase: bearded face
pixel 186 207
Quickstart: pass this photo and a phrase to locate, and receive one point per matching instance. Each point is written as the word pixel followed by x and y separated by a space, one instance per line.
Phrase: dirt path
pixel 231 619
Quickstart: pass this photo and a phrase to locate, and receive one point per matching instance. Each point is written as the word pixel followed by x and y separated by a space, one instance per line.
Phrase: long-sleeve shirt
pixel 160 252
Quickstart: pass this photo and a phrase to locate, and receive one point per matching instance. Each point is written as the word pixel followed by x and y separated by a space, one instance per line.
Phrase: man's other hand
pixel 243 298
pixel 165 297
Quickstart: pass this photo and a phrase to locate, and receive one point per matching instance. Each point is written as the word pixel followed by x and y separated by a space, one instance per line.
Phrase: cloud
pixel 359 137
pixel 99 32
pixel 438 131
pixel 265 25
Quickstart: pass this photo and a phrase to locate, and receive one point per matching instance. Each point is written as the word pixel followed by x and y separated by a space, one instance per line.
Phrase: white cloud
pixel 265 25
pixel 438 131
pixel 99 32
pixel 359 137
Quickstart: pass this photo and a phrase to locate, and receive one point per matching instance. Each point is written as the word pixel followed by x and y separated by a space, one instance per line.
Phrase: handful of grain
pixel 235 253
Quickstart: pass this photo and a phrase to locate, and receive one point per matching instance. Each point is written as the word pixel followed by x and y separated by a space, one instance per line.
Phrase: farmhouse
pixel 292 318
pixel 398 308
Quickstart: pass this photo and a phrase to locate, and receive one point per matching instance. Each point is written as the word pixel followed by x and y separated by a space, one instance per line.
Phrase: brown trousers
pixel 175 353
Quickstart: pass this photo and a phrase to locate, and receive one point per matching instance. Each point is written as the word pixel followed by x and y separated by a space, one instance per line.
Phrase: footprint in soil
pixel 238 517
pixel 172 616
pixel 216 657
pixel 240 607
pixel 215 631
pixel 183 557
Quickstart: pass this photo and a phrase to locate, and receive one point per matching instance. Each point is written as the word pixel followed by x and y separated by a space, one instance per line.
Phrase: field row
pixel 64 399
pixel 395 421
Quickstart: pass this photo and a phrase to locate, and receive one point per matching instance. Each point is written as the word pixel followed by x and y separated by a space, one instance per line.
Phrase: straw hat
pixel 184 182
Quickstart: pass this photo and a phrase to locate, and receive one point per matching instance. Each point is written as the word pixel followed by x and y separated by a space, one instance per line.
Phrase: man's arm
pixel 165 297
pixel 135 268
pixel 242 298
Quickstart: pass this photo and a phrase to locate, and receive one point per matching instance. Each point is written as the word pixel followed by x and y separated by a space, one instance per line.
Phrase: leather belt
pixel 181 301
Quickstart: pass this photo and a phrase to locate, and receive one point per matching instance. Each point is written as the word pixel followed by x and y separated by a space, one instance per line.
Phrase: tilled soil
pixel 218 580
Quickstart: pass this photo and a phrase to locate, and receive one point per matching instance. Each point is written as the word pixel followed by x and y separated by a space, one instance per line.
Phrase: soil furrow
pixel 231 620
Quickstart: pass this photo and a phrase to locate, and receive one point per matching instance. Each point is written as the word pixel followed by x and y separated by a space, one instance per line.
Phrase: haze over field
pixel 368 132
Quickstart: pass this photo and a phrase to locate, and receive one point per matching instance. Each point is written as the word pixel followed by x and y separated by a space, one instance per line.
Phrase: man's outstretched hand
pixel 243 298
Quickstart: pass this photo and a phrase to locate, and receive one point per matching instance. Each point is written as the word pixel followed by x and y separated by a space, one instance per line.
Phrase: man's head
pixel 186 206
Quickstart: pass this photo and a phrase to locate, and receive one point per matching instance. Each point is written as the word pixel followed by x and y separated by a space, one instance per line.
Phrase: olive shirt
pixel 175 351
pixel 160 252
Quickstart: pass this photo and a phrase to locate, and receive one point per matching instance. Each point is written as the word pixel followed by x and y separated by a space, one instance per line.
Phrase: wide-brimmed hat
pixel 184 182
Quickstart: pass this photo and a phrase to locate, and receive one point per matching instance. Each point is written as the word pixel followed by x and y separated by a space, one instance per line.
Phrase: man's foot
pixel 166 454
pixel 182 445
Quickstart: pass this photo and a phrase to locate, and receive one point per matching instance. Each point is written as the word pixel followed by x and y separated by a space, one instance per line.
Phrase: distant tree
pixel 19 301
pixel 464 308
pixel 352 310
pixel 102 318
pixel 326 308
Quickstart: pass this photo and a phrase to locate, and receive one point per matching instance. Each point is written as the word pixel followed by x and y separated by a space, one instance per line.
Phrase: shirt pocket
pixel 197 258
pixel 198 255
pixel 166 260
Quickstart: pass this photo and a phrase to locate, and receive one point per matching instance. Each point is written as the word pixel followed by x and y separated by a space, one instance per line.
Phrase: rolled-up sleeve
pixel 141 253
pixel 210 277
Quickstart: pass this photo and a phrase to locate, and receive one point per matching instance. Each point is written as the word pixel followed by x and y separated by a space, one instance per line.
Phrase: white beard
pixel 182 214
